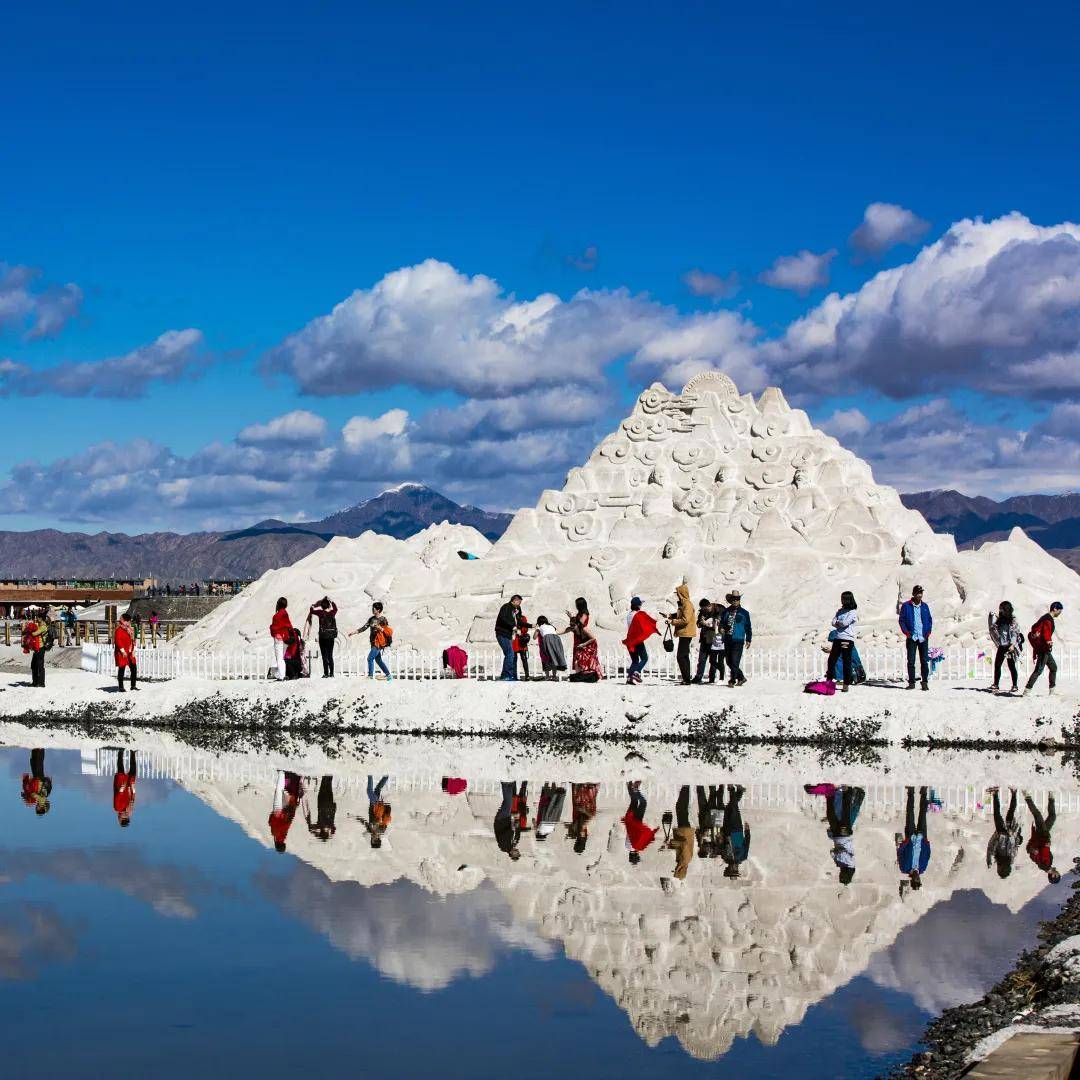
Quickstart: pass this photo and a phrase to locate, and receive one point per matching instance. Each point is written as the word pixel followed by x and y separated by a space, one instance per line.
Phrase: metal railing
pixel 795 665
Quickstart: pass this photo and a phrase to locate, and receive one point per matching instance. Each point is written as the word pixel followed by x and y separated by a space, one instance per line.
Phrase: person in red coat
pixel 1042 646
pixel 639 628
pixel 638 835
pixel 124 652
pixel 281 629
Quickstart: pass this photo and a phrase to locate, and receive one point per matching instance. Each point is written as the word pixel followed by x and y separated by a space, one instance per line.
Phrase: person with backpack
pixel 913 848
pixel 281 634
pixel 378 810
pixel 843 627
pixel 36 641
pixel 380 637
pixel 734 832
pixel 326 612
pixel 1005 841
pixel 640 626
pixel 124 652
pixel 1041 637
pixel 1008 641
pixel 36 786
pixel 1038 845
pixel 916 622
pixel 738 633
pixel 70 623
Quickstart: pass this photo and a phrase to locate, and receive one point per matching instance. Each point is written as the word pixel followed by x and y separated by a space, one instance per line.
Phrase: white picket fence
pixel 797 664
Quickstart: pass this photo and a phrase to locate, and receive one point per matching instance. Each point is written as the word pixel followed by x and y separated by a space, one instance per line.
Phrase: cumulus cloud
pixel 298 428
pixel 934 444
pixel 169 890
pixel 845 423
pixel 800 273
pixel 361 430
pixel 433 328
pixel 31 934
pixel 176 354
pixel 586 261
pixel 716 286
pixel 991 305
pixel 884 225
pixel 37 310
pixel 401 931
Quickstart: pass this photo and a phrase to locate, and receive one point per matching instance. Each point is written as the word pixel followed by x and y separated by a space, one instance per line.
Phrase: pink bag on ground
pixel 820 686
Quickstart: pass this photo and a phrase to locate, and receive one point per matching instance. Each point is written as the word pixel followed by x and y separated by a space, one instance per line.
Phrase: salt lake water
pixel 183 942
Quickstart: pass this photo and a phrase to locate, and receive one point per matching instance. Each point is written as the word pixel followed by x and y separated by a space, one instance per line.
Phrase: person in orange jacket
pixel 124 652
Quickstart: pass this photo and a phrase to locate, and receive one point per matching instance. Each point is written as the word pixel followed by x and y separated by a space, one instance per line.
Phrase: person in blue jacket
pixel 913 850
pixel 738 633
pixel 916 622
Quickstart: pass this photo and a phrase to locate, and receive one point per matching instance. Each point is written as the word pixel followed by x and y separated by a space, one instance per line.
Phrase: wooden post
pixel 7 632
pixel 94 625
pixel 142 636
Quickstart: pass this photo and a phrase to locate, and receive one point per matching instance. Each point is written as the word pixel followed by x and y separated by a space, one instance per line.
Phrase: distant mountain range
pixel 1052 521
pixel 401 511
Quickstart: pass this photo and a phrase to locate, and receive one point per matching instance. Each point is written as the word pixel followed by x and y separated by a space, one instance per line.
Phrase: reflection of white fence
pixel 798 664
pixel 889 799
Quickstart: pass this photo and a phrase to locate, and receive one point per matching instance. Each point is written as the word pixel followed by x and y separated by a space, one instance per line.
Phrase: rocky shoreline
pixel 1042 992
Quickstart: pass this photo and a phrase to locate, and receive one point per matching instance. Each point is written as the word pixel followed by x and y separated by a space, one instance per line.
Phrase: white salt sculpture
pixel 708 484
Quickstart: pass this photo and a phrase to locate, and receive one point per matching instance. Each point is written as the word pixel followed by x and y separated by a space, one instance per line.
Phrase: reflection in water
pixel 652 888
pixel 404 932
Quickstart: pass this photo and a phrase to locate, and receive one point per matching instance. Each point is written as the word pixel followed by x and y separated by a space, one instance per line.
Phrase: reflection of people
pixel 842 805
pixel 1038 846
pixel 682 839
pixel 325 811
pixel 913 850
pixel 511 817
pixel 378 810
pixel 710 818
pixel 638 835
pixel 734 834
pixel 1005 841
pixel 36 786
pixel 123 786
pixel 549 810
pixel 583 808
pixel 287 796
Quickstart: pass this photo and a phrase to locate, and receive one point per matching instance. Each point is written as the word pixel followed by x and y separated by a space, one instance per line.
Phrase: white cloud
pixel 705 283
pixel 884 225
pixel 845 423
pixel 38 311
pixel 993 306
pixel 431 327
pixel 174 355
pixel 800 273
pixel 296 428
pixel 361 430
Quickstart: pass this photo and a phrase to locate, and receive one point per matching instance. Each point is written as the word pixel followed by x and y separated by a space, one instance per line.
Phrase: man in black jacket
pixel 505 628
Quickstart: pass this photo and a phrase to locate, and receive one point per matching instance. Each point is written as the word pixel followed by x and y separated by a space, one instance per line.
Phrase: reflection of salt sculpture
pixel 684 476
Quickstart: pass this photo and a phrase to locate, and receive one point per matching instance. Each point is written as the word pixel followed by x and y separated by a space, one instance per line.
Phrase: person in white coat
pixel 844 623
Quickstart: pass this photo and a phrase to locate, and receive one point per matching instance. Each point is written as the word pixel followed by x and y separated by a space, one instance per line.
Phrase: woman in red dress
pixel 586 654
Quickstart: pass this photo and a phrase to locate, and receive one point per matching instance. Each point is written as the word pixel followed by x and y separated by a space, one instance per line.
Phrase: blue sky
pixel 235 171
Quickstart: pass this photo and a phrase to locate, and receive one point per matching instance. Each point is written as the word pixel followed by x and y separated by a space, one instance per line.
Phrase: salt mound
pixel 729 491
pixel 354 572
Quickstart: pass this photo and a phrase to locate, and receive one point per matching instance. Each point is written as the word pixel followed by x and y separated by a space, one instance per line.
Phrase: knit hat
pixel 635 603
